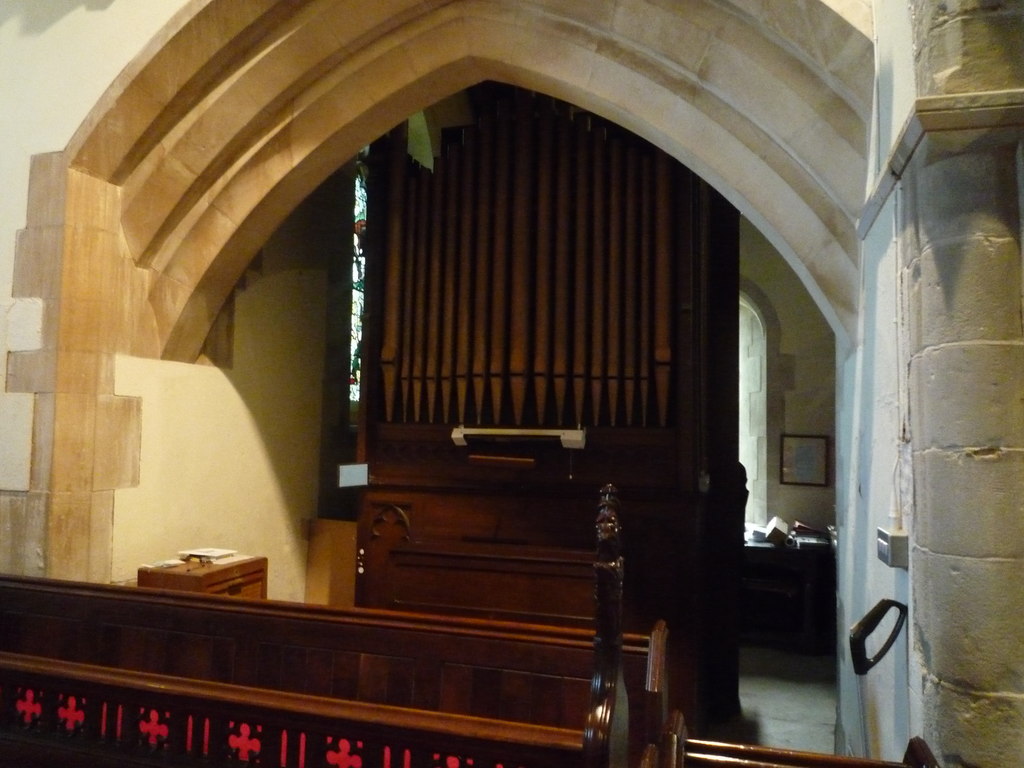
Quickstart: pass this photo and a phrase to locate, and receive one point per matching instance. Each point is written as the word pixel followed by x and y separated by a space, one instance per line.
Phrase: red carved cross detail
pixel 153 728
pixel 70 714
pixel 342 757
pixel 243 743
pixel 28 707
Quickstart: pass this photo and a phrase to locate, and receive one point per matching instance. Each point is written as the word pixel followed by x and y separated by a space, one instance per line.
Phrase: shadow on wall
pixel 37 16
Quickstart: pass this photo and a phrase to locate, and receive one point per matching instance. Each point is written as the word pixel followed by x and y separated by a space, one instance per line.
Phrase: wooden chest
pixel 235 576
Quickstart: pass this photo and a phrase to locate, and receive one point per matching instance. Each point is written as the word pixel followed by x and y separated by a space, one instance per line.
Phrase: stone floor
pixel 788 700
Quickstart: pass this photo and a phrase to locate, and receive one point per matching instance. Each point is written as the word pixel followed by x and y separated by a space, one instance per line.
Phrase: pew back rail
pixel 504 670
pixel 118 717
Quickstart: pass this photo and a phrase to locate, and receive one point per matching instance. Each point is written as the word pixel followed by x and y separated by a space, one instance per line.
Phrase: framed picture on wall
pixel 804 460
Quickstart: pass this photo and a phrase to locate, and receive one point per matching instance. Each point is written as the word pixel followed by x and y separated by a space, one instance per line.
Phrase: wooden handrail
pixel 701 752
pixel 674 749
pixel 709 754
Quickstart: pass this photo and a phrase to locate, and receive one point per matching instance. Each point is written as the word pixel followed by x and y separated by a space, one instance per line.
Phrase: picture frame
pixel 804 460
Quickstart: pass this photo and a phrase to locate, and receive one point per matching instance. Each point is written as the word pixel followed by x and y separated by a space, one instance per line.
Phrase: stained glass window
pixel 358 285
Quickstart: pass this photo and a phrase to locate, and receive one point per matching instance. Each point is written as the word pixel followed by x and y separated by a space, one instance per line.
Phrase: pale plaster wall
pixel 895 88
pixel 878 712
pixel 874 709
pixel 230 457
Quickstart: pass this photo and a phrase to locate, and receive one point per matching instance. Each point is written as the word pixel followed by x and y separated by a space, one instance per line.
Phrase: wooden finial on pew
pixel 608 571
pixel 606 733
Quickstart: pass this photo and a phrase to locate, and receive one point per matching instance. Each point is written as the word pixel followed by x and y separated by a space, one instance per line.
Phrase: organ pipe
pixel 530 276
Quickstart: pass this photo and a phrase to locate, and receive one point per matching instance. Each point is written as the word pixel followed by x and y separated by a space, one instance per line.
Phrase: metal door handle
pixel 860 631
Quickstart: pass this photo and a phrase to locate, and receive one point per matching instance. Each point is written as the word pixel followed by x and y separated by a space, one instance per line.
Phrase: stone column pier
pixel 961 262
pixel 961 256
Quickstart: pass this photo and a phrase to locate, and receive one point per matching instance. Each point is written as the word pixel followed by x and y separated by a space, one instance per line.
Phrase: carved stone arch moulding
pixel 213 133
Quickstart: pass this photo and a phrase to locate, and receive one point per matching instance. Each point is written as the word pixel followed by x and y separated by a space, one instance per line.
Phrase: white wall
pixel 874 709
pixel 895 87
pixel 230 458
pixel 879 711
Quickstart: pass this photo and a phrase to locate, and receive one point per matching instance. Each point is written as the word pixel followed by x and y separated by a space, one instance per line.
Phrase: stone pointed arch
pixel 237 110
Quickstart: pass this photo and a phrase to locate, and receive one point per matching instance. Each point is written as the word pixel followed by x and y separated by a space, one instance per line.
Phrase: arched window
pixel 753 410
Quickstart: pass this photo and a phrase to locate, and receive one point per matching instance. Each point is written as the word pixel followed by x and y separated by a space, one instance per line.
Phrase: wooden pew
pixel 488 668
pixel 533 675
pixel 527 673
pixel 58 713
pixel 144 719
pixel 536 673
pixel 713 754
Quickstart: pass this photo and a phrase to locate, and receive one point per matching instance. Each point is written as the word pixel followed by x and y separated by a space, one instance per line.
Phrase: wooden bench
pixel 528 673
pixel 536 675
pixel 144 719
pixel 59 713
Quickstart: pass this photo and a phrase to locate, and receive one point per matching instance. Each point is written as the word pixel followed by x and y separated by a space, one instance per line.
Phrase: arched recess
pixel 238 110
pixel 776 369
pixel 753 366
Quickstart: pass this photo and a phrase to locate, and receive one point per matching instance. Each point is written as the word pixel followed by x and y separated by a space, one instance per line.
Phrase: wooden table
pixel 238 576
pixel 787 597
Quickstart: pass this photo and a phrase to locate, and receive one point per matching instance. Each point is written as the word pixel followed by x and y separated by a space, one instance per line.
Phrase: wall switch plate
pixel 352 475
pixel 894 548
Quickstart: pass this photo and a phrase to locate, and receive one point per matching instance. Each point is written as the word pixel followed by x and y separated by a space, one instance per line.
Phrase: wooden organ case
pixel 552 271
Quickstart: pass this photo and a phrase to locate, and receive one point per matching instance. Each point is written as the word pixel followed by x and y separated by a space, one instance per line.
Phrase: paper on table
pixel 207 553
